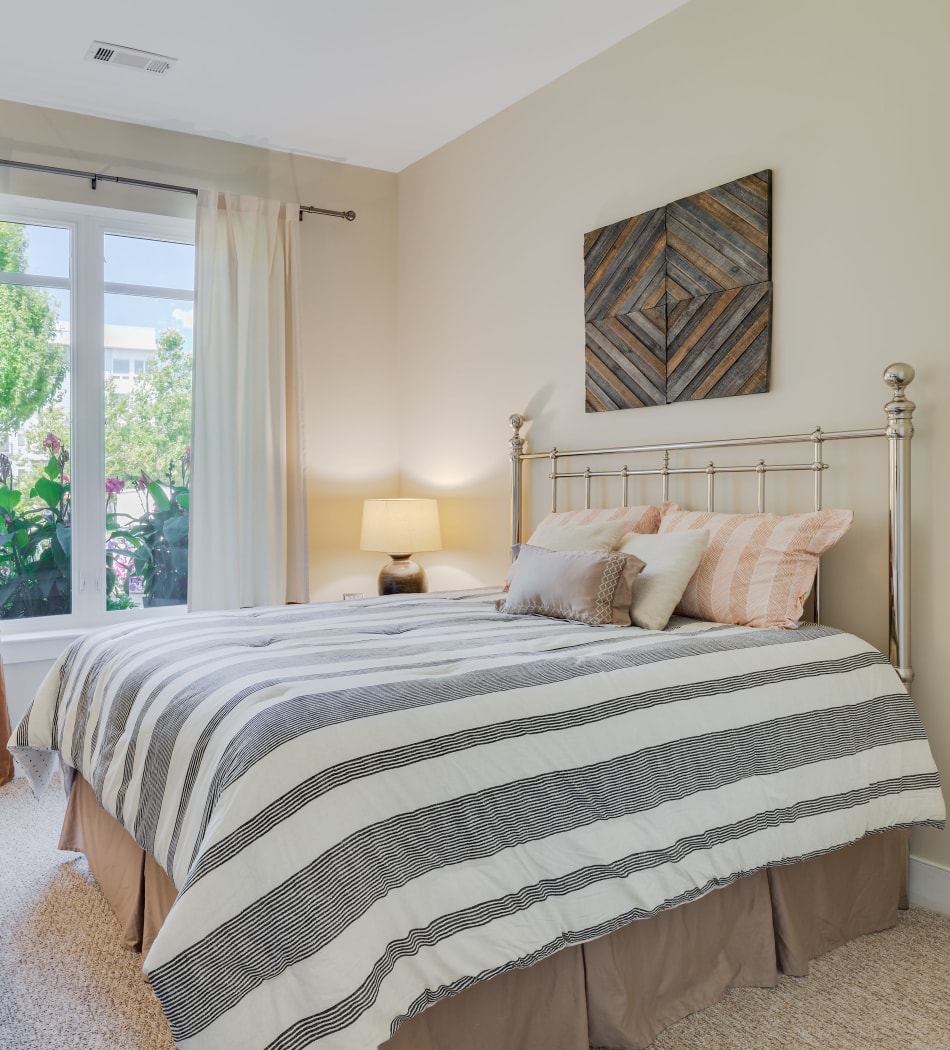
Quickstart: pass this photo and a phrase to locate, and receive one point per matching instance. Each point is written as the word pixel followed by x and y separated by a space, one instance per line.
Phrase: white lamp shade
pixel 400 526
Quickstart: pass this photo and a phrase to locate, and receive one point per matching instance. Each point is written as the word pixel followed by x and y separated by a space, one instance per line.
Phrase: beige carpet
pixel 66 983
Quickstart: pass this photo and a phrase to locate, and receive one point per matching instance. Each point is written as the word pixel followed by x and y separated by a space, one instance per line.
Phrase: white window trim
pixel 39 638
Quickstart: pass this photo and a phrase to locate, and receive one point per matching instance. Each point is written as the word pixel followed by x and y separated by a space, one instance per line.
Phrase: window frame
pixel 87 287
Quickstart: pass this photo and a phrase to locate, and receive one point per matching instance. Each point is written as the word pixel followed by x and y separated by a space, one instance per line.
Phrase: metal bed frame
pixel 899 431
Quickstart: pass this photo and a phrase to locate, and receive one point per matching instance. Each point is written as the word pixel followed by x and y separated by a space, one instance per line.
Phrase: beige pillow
pixel 757 569
pixel 637 519
pixel 592 587
pixel 671 560
pixel 602 535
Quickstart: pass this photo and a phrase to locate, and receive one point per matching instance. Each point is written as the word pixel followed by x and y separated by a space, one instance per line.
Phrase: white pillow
pixel 600 536
pixel 669 568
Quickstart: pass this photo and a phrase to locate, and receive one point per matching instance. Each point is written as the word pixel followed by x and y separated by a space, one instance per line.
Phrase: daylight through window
pixel 95 410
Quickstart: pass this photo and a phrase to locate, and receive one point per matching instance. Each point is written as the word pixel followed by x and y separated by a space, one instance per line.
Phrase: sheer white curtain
pixel 248 541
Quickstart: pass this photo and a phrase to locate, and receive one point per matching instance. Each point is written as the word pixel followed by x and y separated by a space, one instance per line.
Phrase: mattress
pixel 394 800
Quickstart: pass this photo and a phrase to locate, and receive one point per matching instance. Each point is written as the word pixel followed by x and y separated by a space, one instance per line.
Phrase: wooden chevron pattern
pixel 626 361
pixel 678 300
pixel 625 266
pixel 717 345
pixel 719 239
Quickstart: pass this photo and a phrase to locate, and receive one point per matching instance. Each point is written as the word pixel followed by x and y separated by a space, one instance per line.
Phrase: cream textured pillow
pixel 636 519
pixel 757 569
pixel 671 560
pixel 602 535
pixel 592 587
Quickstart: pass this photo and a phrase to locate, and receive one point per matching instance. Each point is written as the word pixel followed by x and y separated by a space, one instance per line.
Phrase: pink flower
pixel 114 486
pixel 52 443
pixel 142 481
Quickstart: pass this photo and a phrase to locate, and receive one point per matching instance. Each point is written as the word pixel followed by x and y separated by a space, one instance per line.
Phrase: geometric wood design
pixel 719 239
pixel 625 282
pixel 626 361
pixel 677 301
pixel 625 266
pixel 718 345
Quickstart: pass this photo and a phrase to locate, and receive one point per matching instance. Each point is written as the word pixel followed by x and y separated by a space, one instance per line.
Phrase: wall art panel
pixel 678 300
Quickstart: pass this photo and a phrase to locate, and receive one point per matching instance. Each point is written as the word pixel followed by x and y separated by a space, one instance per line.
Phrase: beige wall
pixel 348 304
pixel 846 102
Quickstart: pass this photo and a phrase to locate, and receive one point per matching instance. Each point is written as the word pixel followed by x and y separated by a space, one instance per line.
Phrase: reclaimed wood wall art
pixel 678 300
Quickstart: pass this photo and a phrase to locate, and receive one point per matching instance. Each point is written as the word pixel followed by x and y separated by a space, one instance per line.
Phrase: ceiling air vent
pixel 130 57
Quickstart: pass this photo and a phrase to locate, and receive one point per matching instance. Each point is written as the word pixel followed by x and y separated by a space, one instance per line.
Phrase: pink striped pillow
pixel 644 520
pixel 758 569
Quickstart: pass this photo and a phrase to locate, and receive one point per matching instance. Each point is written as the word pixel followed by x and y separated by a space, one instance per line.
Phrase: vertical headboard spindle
pixel 900 430
pixel 818 465
pixel 516 445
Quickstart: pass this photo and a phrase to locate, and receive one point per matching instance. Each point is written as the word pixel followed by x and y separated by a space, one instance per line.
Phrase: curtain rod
pixel 95 178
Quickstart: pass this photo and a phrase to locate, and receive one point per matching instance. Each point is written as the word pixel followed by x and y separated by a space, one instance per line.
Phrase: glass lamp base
pixel 402 576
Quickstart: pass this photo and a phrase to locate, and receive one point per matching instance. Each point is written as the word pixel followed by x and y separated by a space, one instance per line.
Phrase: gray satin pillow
pixel 592 587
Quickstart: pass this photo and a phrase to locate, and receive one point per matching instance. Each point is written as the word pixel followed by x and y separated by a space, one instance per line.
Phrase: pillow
pixel 758 569
pixel 558 532
pixel 671 560
pixel 602 535
pixel 592 587
pixel 636 519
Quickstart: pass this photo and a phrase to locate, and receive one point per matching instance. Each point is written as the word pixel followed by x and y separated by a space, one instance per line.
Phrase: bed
pixel 410 821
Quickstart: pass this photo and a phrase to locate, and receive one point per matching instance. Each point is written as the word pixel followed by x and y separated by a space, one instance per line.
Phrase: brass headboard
pixel 662 464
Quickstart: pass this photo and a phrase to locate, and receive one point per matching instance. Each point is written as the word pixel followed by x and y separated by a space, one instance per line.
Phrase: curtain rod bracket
pixel 349 215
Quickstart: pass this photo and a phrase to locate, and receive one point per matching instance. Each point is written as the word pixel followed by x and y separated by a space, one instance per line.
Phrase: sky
pixel 128 260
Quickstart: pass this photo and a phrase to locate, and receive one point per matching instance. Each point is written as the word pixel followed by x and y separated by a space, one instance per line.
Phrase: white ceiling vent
pixel 130 57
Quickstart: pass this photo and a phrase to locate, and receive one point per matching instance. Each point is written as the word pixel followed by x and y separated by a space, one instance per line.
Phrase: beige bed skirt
pixel 618 992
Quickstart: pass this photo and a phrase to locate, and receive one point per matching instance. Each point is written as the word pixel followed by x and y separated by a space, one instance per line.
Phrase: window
pixel 95 409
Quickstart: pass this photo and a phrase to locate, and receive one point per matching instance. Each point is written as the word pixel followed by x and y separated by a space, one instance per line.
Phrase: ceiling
pixel 378 83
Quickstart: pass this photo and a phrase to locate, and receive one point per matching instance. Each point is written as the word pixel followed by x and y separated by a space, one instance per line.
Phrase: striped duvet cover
pixel 368 806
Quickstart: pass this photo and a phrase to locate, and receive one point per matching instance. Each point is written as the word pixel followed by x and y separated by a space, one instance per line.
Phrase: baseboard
pixel 929 886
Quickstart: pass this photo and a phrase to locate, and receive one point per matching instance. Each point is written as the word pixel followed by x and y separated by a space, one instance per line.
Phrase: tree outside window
pixel 32 365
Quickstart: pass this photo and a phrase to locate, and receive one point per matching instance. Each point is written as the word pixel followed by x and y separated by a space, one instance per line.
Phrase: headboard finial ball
pixel 899 375
pixel 516 421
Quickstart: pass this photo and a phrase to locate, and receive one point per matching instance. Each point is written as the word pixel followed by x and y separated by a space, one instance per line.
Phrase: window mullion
pixel 88 488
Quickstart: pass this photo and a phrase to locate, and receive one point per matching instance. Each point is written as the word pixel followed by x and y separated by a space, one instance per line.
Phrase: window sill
pixel 33 646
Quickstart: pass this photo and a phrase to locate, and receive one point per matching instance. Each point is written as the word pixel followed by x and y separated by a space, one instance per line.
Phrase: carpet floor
pixel 67 984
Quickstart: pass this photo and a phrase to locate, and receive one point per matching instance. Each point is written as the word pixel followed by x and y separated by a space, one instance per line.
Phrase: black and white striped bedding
pixel 367 806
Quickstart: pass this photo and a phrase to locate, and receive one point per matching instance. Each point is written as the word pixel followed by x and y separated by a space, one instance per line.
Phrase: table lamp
pixel 399 528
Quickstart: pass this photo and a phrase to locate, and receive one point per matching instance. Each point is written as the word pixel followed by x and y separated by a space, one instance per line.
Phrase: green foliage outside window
pixel 32 366
pixel 149 428
pixel 36 541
